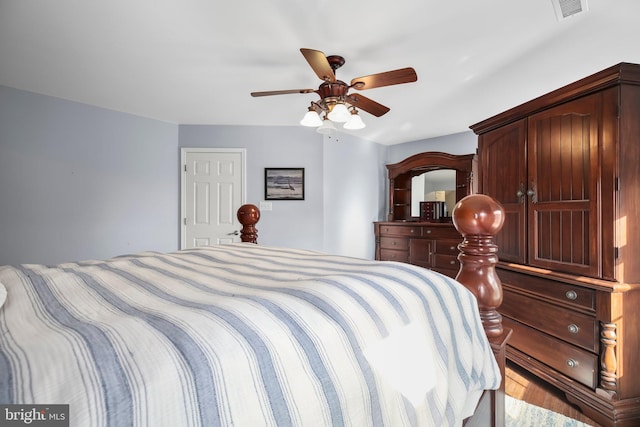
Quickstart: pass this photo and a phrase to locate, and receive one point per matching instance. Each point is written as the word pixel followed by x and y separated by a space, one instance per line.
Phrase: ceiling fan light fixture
pixel 336 104
pixel 339 113
pixel 311 119
pixel 327 127
pixel 355 121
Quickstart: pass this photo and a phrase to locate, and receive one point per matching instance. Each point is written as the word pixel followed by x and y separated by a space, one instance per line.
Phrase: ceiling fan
pixel 336 104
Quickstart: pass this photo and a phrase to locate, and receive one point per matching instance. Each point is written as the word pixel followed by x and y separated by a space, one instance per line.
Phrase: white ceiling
pixel 196 61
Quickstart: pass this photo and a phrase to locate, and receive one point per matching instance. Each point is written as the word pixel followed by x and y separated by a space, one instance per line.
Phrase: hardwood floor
pixel 520 384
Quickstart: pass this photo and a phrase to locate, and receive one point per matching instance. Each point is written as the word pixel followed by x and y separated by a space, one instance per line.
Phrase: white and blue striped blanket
pixel 242 335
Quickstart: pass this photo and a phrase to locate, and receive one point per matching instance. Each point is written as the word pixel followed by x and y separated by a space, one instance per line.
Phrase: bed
pixel 249 335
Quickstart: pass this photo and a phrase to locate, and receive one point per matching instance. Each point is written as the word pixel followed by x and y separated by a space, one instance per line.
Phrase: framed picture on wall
pixel 284 183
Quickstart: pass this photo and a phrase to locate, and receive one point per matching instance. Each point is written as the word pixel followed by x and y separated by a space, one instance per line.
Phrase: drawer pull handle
pixel 428 231
pixel 452 248
pixel 571 295
pixel 412 230
pixel 393 243
pixel 573 328
pixel 452 262
pixel 572 363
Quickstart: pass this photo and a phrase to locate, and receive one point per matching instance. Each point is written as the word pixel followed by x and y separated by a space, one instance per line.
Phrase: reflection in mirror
pixel 434 186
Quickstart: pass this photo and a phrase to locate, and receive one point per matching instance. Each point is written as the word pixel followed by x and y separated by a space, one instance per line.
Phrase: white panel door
pixel 213 188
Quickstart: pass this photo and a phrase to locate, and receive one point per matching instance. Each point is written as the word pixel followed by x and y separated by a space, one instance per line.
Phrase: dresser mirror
pixel 426 186
pixel 434 186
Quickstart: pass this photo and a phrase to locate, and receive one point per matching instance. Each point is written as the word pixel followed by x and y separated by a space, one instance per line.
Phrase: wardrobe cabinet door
pixel 563 154
pixel 502 156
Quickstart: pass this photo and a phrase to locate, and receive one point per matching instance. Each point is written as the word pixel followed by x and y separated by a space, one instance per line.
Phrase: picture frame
pixel 284 183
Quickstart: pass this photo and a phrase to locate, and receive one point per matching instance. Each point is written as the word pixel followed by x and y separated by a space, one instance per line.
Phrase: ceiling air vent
pixel 569 8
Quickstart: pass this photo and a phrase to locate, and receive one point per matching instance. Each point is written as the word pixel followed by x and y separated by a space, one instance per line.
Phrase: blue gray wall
pixel 354 197
pixel 82 182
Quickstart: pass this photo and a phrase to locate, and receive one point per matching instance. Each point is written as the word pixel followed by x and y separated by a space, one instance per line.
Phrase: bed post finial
pixel 249 215
pixel 479 218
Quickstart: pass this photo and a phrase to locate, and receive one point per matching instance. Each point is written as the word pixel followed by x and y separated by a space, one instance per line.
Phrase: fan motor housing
pixel 337 89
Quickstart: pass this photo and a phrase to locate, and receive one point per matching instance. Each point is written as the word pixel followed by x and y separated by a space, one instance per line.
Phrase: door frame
pixel 183 182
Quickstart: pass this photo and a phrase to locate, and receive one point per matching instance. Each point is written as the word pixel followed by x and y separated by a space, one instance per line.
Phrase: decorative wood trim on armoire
pixel 566 169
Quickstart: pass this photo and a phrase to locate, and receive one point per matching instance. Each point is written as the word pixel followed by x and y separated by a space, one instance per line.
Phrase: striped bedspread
pixel 242 335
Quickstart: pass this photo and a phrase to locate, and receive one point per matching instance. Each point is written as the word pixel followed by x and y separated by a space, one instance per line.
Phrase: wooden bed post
pixel 479 218
pixel 249 215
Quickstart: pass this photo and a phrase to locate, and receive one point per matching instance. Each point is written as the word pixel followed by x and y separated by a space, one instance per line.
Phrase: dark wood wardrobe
pixel 566 168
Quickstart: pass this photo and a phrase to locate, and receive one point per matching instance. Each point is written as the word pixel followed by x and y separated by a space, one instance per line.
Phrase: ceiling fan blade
pixel 319 64
pixel 282 92
pixel 395 77
pixel 368 105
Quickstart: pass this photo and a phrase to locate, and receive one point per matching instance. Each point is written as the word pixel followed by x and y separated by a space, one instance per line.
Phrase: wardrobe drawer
pixel 448 247
pixel 559 291
pixel 401 230
pixel 397 243
pixel 391 255
pixel 576 328
pixel 570 360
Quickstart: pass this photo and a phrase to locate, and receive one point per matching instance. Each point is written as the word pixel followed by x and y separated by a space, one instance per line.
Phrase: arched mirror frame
pixel 401 174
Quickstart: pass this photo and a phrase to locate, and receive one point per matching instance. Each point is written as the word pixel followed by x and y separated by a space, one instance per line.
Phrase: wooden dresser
pixel 430 245
pixel 407 238
pixel 566 169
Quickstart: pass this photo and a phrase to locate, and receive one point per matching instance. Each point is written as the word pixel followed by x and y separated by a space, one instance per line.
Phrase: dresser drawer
pixel 440 233
pixel 391 255
pixel 446 261
pixel 448 247
pixel 576 328
pixel 401 230
pixel 559 291
pixel 572 361
pixel 422 251
pixel 397 243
